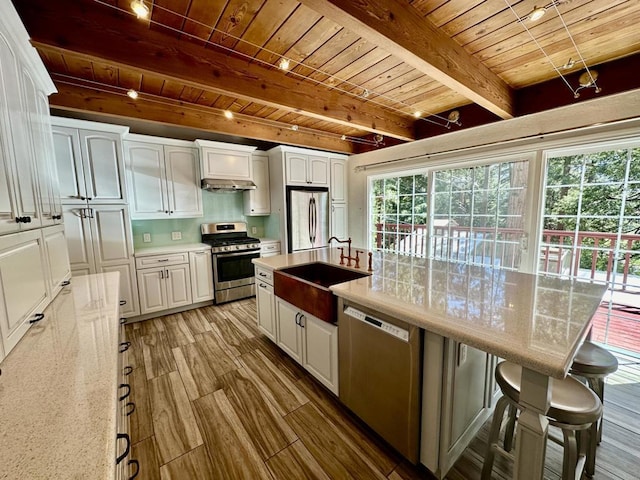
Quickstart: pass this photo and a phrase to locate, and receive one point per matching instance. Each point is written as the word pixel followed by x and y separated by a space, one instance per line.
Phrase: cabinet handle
pixel 166 211
pixel 65 283
pixel 170 211
pixel 298 318
pixel 37 318
pixel 123 302
pixel 262 274
pixel 167 270
pixel 23 219
pixel 302 317
pixel 127 370
pixel 163 260
pixel 123 320
pixel 128 388
pixel 131 408
pixel 137 464
pixel 161 273
pixel 124 346
pixel 127 447
pixel 262 285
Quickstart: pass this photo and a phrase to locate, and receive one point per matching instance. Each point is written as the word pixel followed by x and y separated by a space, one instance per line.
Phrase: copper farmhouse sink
pixel 307 287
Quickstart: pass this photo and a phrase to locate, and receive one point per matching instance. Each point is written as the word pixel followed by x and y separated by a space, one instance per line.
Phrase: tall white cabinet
pixel 90 162
pixel 31 273
pixel 163 178
pixel 339 182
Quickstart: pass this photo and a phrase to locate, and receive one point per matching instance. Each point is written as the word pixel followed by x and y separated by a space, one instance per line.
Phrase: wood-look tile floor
pixel 215 399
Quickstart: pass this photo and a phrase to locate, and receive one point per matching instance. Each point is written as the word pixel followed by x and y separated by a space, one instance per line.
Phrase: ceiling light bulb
pixel 294 128
pixel 537 13
pixel 417 114
pixel 343 137
pixel 140 9
pixel 228 114
pixel 284 64
pixel 365 93
pixel 132 94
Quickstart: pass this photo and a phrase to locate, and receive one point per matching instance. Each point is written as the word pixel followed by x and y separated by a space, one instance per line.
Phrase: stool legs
pixel 489 457
pixel 590 466
pixel 570 454
pixel 511 425
pixel 597 385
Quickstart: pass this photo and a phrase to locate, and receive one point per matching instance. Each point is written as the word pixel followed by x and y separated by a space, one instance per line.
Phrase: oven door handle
pixel 235 254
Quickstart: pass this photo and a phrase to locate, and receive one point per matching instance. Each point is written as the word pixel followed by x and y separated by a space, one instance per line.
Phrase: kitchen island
pixel 535 321
pixel 59 408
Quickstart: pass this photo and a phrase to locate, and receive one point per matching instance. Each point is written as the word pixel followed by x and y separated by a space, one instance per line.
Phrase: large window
pixel 591 229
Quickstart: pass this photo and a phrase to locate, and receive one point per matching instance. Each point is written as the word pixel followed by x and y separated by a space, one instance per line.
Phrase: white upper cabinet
pixel 258 201
pixel 225 160
pixel 302 169
pixel 338 179
pixel 89 163
pixel 163 180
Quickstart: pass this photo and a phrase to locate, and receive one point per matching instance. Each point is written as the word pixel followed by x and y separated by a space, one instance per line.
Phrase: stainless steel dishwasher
pixel 380 372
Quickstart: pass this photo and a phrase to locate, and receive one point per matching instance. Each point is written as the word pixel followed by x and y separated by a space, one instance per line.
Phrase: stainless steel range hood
pixel 227 185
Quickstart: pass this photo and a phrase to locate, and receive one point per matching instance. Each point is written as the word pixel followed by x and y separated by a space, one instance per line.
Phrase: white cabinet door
pixel 339 225
pixel 178 286
pixel 296 169
pixel 128 287
pixel 338 180
pixel 23 290
pixel 201 276
pixel 152 290
pixel 289 334
pixel 222 163
pixel 58 268
pixel 66 144
pixel 265 300
pixel 183 181
pixel 79 244
pixel 8 88
pixel 103 166
pixel 258 201
pixel 318 168
pixel 110 234
pixel 146 179
pixel 321 351
pixel 50 205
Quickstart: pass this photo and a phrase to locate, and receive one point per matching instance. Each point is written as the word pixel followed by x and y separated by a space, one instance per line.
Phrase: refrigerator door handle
pixel 312 216
pixel 310 221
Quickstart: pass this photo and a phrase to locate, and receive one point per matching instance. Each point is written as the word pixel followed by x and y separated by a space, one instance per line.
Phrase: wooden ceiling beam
pixel 87 99
pixel 398 28
pixel 95 33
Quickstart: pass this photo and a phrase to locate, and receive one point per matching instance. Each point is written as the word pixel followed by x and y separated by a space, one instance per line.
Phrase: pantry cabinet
pixel 163 178
pixel 89 162
pixel 339 186
pixel 99 240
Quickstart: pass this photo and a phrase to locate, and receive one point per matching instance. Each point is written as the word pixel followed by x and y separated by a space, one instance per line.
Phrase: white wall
pixel 607 118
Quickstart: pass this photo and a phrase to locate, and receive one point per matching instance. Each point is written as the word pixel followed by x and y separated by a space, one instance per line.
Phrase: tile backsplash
pixel 217 207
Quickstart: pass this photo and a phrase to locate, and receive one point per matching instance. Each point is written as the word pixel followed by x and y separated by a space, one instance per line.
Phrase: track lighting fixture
pixel 131 93
pixel 140 9
pixel 228 114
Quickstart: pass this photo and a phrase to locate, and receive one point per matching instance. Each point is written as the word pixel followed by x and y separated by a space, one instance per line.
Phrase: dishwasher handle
pixel 386 327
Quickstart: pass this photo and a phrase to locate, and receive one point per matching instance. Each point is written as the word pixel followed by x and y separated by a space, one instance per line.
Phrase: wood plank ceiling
pixel 358 69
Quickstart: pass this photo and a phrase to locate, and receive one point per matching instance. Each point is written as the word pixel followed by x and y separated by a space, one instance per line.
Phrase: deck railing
pixel 501 246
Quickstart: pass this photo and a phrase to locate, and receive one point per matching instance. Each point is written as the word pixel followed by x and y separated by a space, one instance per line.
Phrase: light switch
pixel 146 237
pixel 254 230
pixel 176 235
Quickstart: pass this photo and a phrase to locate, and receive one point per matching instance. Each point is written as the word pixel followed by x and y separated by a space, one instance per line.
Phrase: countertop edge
pixel 169 249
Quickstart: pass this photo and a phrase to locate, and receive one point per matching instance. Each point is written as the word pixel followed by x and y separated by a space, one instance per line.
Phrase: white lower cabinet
pixel 201 276
pixel 266 307
pixel 165 287
pixel 312 342
pixel 58 268
pixel 23 291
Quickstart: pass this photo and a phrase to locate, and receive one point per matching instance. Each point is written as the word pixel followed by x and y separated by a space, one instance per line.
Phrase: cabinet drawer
pixel 264 275
pixel 270 247
pixel 159 260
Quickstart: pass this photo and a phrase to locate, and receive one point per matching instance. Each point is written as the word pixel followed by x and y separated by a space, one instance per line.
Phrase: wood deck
pixel 624 327
pixel 216 400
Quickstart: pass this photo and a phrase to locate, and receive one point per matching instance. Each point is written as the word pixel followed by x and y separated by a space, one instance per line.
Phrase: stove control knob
pixel 238 247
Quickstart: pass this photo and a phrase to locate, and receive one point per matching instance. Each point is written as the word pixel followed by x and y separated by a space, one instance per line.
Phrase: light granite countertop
pixel 58 387
pixel 168 249
pixel 536 321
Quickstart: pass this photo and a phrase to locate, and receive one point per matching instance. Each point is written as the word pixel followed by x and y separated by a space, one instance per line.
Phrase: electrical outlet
pixel 176 235
pixel 146 237
pixel 462 353
pixel 254 230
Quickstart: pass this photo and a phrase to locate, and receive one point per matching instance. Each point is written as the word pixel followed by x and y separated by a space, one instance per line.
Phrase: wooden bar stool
pixel 575 409
pixel 594 363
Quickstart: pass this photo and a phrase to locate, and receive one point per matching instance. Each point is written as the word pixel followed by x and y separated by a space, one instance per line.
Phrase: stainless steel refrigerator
pixel 307 217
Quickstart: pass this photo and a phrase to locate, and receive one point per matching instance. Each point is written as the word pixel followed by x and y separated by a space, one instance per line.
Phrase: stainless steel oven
pixel 233 250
